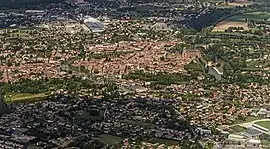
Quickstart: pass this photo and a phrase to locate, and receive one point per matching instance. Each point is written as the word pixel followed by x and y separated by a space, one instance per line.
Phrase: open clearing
pixel 17 97
pixel 222 26
pixel 257 15
pixel 238 128
pixel 240 20
pixel 248 119
pixel 261 122
pixel 164 141
pixel 265 124
pixel 240 3
pixel 109 139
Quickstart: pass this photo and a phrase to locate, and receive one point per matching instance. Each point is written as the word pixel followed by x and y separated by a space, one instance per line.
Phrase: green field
pixel 164 141
pixel 109 139
pixel 265 144
pixel 248 119
pixel 240 20
pixel 18 97
pixel 258 15
pixel 265 124
pixel 238 128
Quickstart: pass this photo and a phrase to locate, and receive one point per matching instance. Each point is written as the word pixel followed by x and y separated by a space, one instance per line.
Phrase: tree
pixel 3 105
pixel 9 63
pixel 209 145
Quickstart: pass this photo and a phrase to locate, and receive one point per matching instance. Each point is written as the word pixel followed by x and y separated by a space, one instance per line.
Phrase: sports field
pixel 265 124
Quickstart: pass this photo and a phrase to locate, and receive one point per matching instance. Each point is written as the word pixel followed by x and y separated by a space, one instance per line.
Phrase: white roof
pixel 235 136
pixel 90 19
pixel 254 141
pixel 34 11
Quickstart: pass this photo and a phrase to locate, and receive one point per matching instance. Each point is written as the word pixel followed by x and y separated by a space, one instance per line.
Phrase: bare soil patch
pixel 222 26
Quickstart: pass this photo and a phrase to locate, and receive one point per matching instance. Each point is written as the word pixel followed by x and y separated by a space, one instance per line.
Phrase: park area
pixel 240 20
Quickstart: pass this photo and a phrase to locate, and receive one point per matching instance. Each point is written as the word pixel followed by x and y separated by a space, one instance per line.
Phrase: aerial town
pixel 128 74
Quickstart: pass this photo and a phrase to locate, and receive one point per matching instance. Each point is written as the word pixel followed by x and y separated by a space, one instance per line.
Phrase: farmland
pixel 240 3
pixel 222 26
pixel 240 20
pixel 258 15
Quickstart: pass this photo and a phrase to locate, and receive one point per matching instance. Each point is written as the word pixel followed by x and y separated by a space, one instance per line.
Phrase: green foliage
pixel 9 63
pixel 53 84
pixel 1 74
pixel 238 128
pixel 161 78
pixel 3 106
pixel 194 68
pixel 209 145
pixel 178 48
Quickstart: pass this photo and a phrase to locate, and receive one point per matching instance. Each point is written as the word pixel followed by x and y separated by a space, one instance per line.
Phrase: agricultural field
pixel 222 26
pixel 240 20
pixel 257 16
pixel 240 3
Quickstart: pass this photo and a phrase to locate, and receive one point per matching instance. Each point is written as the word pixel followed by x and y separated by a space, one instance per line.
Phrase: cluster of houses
pixel 63 120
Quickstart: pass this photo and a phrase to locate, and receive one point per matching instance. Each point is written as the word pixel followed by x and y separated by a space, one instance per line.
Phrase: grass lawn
pixel 164 141
pixel 248 119
pixel 238 128
pixel 109 139
pixel 265 144
pixel 265 124
pixel 20 34
pixel 234 34
pixel 258 15
pixel 18 97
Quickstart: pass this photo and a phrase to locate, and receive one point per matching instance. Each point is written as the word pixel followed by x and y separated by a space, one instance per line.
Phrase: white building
pixel 93 24
pixel 240 141
pixel 253 144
